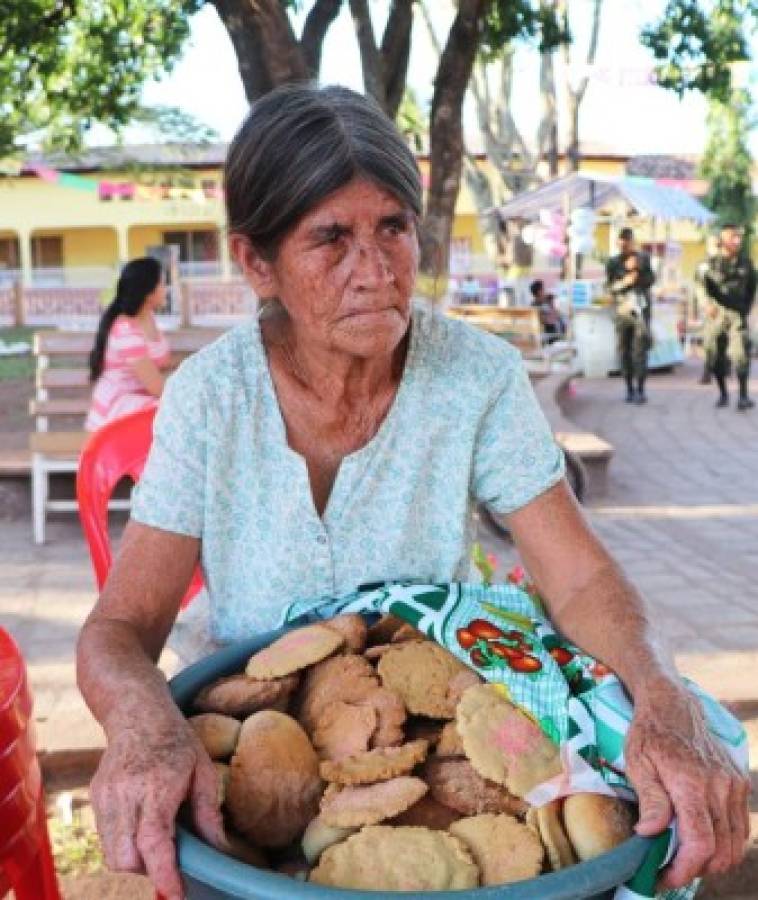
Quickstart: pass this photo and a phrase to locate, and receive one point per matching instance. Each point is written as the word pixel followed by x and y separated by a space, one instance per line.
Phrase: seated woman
pixel 345 437
pixel 129 351
pixel 553 325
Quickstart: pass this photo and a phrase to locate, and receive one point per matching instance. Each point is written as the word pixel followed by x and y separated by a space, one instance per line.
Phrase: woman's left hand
pixel 678 768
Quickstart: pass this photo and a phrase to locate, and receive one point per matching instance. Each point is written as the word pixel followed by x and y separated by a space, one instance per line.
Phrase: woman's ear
pixel 258 272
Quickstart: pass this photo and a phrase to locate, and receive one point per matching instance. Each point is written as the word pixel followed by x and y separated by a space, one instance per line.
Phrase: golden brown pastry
pixel 274 785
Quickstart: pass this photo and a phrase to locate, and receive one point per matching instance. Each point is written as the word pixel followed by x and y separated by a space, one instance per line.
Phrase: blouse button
pixel 321 539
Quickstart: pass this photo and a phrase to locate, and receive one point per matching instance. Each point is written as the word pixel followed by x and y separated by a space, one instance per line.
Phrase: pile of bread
pixel 371 758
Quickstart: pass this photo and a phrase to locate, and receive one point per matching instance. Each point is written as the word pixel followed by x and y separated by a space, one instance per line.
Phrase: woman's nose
pixel 370 267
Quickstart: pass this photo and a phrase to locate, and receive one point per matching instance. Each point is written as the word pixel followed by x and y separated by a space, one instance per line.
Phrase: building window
pixel 194 246
pixel 9 255
pixel 47 252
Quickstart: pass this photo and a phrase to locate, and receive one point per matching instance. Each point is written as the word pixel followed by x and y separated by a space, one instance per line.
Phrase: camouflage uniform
pixel 730 283
pixel 633 313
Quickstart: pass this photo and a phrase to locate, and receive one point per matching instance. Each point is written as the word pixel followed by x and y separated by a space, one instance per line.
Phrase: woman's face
pixel 345 273
pixel 156 299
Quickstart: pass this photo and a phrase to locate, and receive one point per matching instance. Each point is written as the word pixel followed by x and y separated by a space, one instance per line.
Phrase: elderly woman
pixel 344 437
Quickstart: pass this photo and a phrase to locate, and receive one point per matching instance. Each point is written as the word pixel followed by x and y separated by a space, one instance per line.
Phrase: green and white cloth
pixel 501 631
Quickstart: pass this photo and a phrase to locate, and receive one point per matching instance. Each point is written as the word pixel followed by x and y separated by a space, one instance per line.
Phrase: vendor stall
pixel 614 202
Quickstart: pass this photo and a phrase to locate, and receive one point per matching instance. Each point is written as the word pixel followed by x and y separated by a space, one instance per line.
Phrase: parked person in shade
pixel 730 282
pixel 629 278
pixel 343 436
pixel 130 351
pixel 553 326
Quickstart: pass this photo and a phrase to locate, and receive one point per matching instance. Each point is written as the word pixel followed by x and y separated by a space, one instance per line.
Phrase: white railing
pixel 73 276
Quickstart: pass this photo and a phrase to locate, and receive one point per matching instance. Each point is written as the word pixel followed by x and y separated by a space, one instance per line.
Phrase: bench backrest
pixel 518 324
pixel 62 386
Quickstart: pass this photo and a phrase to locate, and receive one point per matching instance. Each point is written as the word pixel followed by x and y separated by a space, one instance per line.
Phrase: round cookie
pixel 347 679
pixel 294 651
pixel 353 628
pixel 421 672
pixel 596 824
pixel 547 821
pixel 503 848
pixel 241 696
pixel 274 785
pixel 368 804
pixel 380 858
pixel 454 782
pixel 375 765
pixel 218 734
pixel 344 730
pixel 503 743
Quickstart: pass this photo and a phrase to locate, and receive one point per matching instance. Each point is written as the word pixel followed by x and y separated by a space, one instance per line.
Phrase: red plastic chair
pixel 26 860
pixel 119 449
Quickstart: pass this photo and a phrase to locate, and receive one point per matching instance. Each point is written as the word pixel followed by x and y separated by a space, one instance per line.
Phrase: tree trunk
pixel 385 68
pixel 268 54
pixel 446 137
pixel 547 136
pixel 573 154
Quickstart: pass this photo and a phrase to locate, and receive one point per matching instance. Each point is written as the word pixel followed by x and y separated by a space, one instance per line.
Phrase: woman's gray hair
pixel 299 144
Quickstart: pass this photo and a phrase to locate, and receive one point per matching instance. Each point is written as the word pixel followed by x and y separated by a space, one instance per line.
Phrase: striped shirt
pixel 118 391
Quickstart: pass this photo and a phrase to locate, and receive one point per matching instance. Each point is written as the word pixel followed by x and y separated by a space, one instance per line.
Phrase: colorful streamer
pixel 107 190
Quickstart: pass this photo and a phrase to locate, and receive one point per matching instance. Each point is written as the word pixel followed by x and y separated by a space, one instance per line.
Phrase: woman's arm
pixel 149 375
pixel 153 761
pixel 672 761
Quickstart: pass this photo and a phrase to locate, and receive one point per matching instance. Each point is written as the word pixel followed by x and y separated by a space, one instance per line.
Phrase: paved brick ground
pixel 681 513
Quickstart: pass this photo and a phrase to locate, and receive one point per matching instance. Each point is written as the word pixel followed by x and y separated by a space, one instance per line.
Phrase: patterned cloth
pixel 118 391
pixel 577 702
pixel 464 427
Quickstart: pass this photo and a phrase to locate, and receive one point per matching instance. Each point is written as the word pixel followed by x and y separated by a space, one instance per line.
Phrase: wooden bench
pixel 520 326
pixel 591 451
pixel 62 397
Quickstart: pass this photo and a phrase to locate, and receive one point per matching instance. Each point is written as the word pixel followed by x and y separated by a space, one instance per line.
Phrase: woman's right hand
pixel 148 770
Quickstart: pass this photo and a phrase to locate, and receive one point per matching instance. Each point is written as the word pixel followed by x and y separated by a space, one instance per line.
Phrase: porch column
pixel 25 255
pixel 122 243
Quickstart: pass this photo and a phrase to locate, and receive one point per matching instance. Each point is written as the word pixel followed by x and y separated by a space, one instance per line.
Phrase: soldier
pixel 704 307
pixel 730 282
pixel 629 279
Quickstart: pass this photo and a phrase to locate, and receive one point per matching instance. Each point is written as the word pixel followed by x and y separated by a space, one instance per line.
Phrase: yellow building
pixel 72 221
pixel 67 221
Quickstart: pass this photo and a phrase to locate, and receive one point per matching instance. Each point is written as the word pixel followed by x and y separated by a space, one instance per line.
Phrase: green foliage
pixel 412 121
pixel 21 367
pixel 65 64
pixel 694 42
pixel 727 161
pixel 171 123
pixel 509 20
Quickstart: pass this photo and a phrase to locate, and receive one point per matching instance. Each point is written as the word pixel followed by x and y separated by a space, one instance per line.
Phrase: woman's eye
pixel 396 227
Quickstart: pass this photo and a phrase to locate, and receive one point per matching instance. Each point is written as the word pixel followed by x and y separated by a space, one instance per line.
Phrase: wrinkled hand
pixel 678 768
pixel 149 768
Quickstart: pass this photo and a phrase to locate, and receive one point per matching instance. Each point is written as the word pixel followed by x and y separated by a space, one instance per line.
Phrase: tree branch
pixel 317 23
pixel 592 49
pixel 371 62
pixel 246 36
pixel 395 53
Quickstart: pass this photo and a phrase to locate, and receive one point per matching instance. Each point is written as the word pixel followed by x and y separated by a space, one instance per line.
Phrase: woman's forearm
pixel 607 617
pixel 119 681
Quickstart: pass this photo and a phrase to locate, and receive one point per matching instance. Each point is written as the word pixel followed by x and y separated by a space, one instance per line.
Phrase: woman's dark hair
pixel 297 146
pixel 137 280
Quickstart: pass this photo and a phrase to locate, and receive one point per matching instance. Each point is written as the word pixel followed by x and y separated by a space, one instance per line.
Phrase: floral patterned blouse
pixel 464 427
